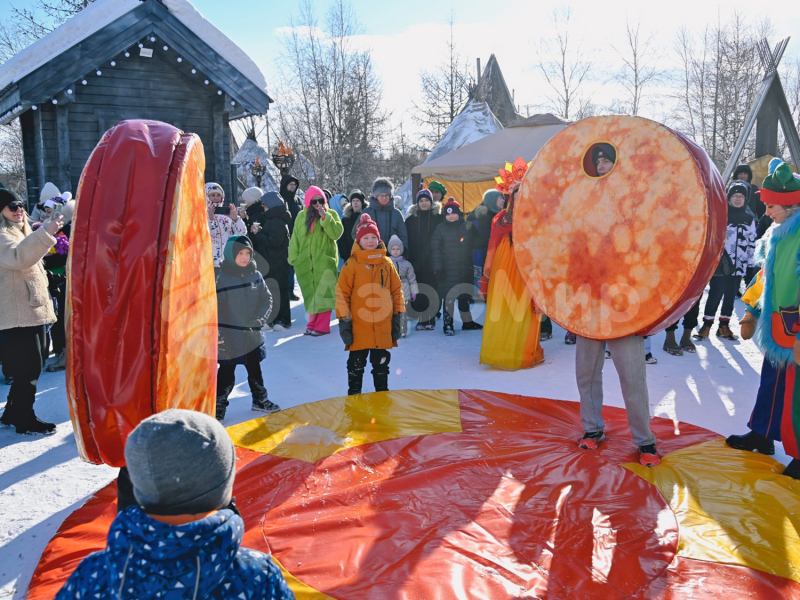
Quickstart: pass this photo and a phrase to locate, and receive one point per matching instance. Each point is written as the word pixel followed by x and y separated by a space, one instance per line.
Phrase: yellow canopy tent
pixel 470 170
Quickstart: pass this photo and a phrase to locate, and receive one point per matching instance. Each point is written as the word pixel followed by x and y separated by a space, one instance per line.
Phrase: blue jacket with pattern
pixel 147 559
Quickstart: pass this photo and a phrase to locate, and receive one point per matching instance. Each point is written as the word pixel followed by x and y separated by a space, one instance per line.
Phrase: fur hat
pixel 49 191
pixel 435 186
pixel 743 169
pixel 451 206
pixel 180 462
pixel 366 225
pixel 252 195
pixel 312 192
pixel 382 185
pixel 395 241
pixel 423 193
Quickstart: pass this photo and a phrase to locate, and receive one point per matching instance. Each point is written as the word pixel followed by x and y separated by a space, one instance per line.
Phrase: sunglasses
pixel 317 201
pixel 15 206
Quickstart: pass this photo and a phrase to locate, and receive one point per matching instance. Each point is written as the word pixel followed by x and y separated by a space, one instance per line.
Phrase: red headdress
pixel 511 177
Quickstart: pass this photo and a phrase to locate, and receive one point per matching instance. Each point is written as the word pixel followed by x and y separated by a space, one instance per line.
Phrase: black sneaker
pixel 294 297
pixel 471 326
pixel 570 339
pixel 543 337
pixel 754 442
pixel 265 406
pixel 650 359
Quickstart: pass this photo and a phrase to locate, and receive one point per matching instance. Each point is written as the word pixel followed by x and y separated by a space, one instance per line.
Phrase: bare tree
pixel 639 70
pixel 720 74
pixel 564 66
pixel 330 110
pixel 12 164
pixel 445 92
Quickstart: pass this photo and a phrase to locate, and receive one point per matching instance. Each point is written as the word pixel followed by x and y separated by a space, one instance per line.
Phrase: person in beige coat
pixel 25 310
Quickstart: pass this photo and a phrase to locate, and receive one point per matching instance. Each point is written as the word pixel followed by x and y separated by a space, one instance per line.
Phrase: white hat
pixel 49 191
pixel 252 195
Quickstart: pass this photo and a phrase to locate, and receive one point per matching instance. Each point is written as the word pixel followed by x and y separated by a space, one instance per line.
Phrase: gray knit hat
pixel 382 185
pixel 180 462
pixel 394 241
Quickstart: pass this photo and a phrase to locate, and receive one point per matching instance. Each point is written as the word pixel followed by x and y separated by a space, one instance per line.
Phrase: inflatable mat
pixel 628 252
pixel 467 494
pixel 140 270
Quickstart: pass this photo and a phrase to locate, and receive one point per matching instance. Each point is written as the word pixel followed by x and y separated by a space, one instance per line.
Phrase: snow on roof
pixel 473 123
pixel 103 12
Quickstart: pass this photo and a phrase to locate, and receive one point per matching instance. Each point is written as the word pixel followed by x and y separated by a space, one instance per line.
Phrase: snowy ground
pixel 42 480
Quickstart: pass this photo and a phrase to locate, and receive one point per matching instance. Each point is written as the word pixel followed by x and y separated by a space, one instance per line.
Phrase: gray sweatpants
pixel 628 356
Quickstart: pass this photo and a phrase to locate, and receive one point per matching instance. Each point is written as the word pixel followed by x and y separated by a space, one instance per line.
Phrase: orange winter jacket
pixel 369 292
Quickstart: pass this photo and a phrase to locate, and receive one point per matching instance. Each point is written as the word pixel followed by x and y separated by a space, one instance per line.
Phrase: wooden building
pixel 127 59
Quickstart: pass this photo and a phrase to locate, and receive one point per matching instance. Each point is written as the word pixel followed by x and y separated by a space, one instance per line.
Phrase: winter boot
pixel 355 378
pixel 381 381
pixel 724 331
pixel 754 442
pixel 26 422
pixel 590 441
pixel 570 339
pixel 222 406
pixel 59 364
pixel 471 326
pixel 7 420
pixel 448 324
pixel 686 341
pixel 703 333
pixel 260 401
pixel 671 345
pixel 793 469
pixel 648 456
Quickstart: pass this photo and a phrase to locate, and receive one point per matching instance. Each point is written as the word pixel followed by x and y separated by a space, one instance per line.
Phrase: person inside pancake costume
pixel 772 317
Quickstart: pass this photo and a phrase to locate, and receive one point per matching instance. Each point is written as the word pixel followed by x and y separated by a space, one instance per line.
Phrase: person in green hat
pixel 772 319
pixel 438 191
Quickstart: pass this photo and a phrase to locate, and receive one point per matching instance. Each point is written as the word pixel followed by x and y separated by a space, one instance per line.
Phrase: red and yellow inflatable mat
pixel 473 494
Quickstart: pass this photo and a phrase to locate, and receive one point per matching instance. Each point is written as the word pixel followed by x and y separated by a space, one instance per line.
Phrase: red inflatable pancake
pixel 141 307
pixel 628 252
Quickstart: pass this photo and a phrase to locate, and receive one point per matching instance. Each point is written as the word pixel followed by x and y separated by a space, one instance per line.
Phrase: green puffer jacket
pixel 315 258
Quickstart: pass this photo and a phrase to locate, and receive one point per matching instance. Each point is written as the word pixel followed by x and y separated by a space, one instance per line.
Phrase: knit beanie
pixel 7 197
pixel 366 225
pixel 356 193
pixel 435 186
pixel 382 185
pixel 272 200
pixel 603 150
pixel 211 186
pixel 781 187
pixel 395 241
pixel 180 462
pixel 48 191
pixel 312 192
pixel 490 198
pixel 234 245
pixel 252 195
pixel 451 206
pixel 423 193
pixel 739 187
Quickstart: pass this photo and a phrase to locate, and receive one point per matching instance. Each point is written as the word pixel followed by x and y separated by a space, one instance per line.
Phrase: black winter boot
pixel 754 442
pixel 222 406
pixel 793 469
pixel 7 420
pixel 381 381
pixel 355 378
pixel 26 422
pixel 260 401
pixel 448 324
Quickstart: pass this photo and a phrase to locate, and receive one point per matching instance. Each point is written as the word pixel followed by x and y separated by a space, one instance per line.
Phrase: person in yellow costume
pixel 511 327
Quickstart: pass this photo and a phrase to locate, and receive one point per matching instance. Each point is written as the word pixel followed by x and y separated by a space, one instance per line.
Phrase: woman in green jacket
pixel 315 257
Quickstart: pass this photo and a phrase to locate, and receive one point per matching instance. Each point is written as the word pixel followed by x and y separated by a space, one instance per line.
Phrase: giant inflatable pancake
pixel 470 494
pixel 141 308
pixel 626 253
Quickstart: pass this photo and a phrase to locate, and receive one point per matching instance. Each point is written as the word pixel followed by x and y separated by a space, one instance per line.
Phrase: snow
pixel 102 12
pixel 42 480
pixel 246 156
pixel 473 123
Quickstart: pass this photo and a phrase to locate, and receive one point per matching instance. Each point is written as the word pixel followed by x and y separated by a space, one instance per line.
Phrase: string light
pixel 34 107
pixel 219 92
pixel 152 38
pixel 194 71
pixel 166 48
pixel 127 54
pixel 69 91
pixel 113 63
pixel 55 101
pixel 98 72
pixel 206 82
pixel 83 82
pixel 180 59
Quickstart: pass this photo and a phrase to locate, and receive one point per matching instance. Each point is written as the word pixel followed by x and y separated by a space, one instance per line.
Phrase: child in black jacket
pixel 451 258
pixel 243 305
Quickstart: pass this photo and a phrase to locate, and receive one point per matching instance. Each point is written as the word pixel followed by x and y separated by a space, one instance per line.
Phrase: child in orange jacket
pixel 370 307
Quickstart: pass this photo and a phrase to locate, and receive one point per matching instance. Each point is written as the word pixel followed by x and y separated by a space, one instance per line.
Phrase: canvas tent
pixel 470 170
